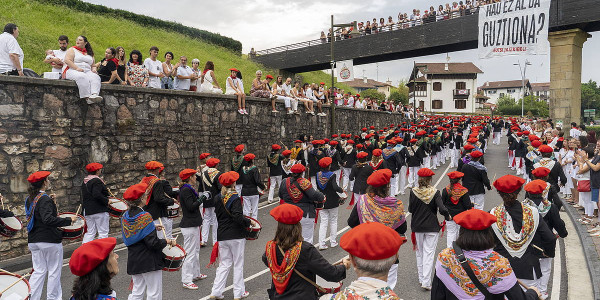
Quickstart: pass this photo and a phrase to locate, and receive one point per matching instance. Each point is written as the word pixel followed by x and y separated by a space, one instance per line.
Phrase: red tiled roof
pixel 504 84
pixel 453 68
pixel 360 83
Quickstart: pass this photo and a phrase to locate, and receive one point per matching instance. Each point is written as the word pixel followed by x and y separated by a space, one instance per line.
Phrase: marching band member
pixel 314 156
pixel 237 162
pixel 94 264
pixel 377 162
pixel 476 179
pixel 250 184
pixel 333 152
pixel 493 272
pixel 373 249
pixel 359 174
pixel 160 196
pixel 287 256
pixel 202 166
pixel 231 237
pixel 414 161
pixel 327 185
pixel 44 238
pixel 556 171
pixel 401 178
pixel 298 152
pixel 190 228
pixel 552 196
pixel 209 182
pixel 394 163
pixel 274 161
pixel 286 164
pixel 348 160
pixel 299 191
pixel 425 201
pixel 144 248
pixel 456 142
pixel 94 196
pixel 456 199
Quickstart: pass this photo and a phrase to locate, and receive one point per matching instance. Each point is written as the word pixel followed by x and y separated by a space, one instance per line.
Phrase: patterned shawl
pixel 274 158
pixel 323 179
pixel 492 270
pixel 516 243
pixel 362 289
pixel 388 211
pixel 388 152
pixel 543 207
pixel 150 181
pixel 236 162
pixel 295 152
pixel 135 228
pixel 376 166
pixel 295 193
pixel 545 162
pixel 456 192
pixel 282 273
pixel 425 194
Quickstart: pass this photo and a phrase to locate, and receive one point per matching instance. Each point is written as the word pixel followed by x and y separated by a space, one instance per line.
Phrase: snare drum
pixel 328 287
pixel 253 232
pixel 173 210
pixel 19 291
pixel 174 257
pixel 75 230
pixel 10 226
pixel 117 207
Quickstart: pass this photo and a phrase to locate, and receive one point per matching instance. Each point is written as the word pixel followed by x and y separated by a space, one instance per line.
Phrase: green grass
pixel 40 25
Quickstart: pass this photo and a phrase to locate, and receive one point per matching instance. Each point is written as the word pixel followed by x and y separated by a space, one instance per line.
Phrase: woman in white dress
pixel 567 159
pixel 208 81
pixel 78 66
pixel 232 87
pixel 583 175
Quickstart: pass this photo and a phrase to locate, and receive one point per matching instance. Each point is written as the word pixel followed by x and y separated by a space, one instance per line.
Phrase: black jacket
pixel 311 198
pixel 274 163
pixel 162 197
pixel 463 204
pixel 394 162
pixel 475 180
pixel 349 159
pixel 190 207
pixel 46 222
pixel 456 141
pixel 94 196
pixel 313 161
pixel 232 225
pixel 145 255
pixel 552 217
pixel 206 184
pixel 336 160
pixel 416 159
pixel 359 175
pixel 424 216
pixel 330 190
pixel 250 179
pixel 310 263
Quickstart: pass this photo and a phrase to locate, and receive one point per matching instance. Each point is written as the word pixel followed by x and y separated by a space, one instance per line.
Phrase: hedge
pixel 516 111
pixel 209 37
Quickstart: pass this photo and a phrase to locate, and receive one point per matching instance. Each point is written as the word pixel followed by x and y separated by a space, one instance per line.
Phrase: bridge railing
pixel 386 28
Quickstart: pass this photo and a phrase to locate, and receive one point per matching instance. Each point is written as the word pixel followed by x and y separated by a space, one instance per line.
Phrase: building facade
pixel 541 90
pixel 362 84
pixel 512 88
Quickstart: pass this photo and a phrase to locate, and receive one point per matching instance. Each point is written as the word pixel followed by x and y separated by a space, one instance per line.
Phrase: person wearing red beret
pixel 556 170
pixel 274 162
pixel 436 150
pixel 299 150
pixel 315 154
pixel 514 141
pixel 160 196
pixel 231 238
pixel 299 191
pixel 94 264
pixel 237 162
pixel 456 199
pixel 333 151
pixel 359 174
pixel 402 151
pixel 521 153
pixel 497 126
pixel 328 186
pixel 252 186
pixel 348 161
pixel 394 162
pixel 425 201
pixel 542 173
pixel 377 162
pixel 287 256
pixel 489 270
pixel 528 239
pixel 476 179
pixel 286 164
pixel 144 247
pixel 455 142
pixel 414 160
pixel 95 200
pixel 44 237
pixel 208 184
pixel 378 206
pixel 190 229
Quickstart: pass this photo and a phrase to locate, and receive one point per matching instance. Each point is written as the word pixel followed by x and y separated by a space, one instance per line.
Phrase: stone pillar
pixel 565 75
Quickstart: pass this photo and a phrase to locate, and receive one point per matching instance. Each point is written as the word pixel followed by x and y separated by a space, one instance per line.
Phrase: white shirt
pixel 60 55
pixel 574 133
pixel 9 45
pixel 287 88
pixel 154 66
pixel 183 84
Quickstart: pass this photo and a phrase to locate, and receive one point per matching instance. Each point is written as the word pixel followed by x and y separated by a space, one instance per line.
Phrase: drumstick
pixel 113 195
pixel 2 200
pixel 8 272
pixel 78 209
pixel 13 284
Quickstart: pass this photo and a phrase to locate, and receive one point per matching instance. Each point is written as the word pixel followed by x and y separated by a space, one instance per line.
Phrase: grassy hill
pixel 40 24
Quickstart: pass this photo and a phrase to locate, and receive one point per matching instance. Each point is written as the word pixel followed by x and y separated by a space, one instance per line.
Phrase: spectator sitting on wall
pixel 121 65
pixel 56 58
pixel 318 93
pixel 11 54
pixel 107 67
pixel 261 89
pixel 297 92
pixel 208 81
pixel 183 75
pixel 232 87
pixel 137 74
pixel 79 60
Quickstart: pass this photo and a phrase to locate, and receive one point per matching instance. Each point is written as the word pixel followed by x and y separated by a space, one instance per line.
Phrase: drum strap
pixel 319 288
pixel 465 264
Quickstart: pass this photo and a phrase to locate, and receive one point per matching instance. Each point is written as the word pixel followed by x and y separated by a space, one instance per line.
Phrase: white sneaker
pixel 244 295
pixel 596 228
pixel 190 286
pixel 96 98
pixel 333 245
pixel 202 276
pixel 323 247
pixel 240 111
pixel 89 101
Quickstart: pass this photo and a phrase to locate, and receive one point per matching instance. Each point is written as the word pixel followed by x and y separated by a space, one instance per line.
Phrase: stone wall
pixel 45 126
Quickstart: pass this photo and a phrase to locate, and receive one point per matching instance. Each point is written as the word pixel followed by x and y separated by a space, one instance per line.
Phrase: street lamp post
pixel 331 94
pixel 523 71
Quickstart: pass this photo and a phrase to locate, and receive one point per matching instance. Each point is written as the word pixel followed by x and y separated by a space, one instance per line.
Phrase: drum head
pixel 174 206
pixel 118 204
pixel 12 223
pixel 327 284
pixel 79 223
pixel 173 252
pixel 18 291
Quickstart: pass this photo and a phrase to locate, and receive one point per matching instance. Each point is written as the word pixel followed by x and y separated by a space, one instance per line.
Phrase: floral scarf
pixel 295 193
pixel 374 165
pixel 236 162
pixel 425 194
pixel 388 211
pixel 137 227
pixel 516 243
pixel 456 192
pixel 150 180
pixel 543 207
pixel 545 162
pixel 362 289
pixel 281 273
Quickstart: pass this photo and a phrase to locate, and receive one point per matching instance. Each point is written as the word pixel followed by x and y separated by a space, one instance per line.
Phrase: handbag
pixel 584 186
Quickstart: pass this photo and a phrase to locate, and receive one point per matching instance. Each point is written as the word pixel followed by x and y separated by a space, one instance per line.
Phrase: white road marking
pixel 557 274
pixel 442 177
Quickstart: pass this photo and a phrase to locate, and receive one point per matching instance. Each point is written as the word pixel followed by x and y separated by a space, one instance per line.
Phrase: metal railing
pixel 386 28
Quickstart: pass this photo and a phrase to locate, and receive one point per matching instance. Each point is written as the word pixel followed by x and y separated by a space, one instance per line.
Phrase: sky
pixel 264 24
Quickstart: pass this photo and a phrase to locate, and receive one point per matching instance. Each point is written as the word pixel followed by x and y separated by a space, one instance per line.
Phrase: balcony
pixel 462 93
pixel 418 94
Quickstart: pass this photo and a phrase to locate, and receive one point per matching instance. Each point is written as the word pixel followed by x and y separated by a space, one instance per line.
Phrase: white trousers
pixel 313 181
pixel 426 243
pixel 402 180
pixel 251 206
pixel 209 220
pixel 231 254
pixel 435 160
pixel 478 201
pixel 455 153
pixel 511 156
pixel 191 245
pixel 412 176
pixel 546 266
pixel 346 184
pixel 329 219
pixel 497 136
pixel 308 229
pixel 96 223
pixel 531 282
pixel 451 233
pixel 520 169
pixel 275 183
pixel 87 82
pixel 168 223
pixel 238 189
pixel 393 276
pixel 150 282
pixel 47 259
pixel 394 185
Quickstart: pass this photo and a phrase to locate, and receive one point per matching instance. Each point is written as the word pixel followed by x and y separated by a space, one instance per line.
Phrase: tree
pixel 505 101
pixel 400 93
pixel 590 95
pixel 373 94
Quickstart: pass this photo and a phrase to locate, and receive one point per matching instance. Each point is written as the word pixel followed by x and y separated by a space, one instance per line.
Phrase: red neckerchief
pixel 375 167
pixel 116 61
pixel 84 51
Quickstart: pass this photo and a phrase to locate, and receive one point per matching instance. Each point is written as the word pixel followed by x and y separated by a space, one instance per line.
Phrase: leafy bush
pixel 373 94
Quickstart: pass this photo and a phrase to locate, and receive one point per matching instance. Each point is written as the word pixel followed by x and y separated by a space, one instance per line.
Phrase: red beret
pixel 315 142
pixel 475 219
pixel 275 147
pixel 377 152
pixel 269 76
pixel 325 140
pixel 93 167
pixel 372 241
pixel 430 136
pixel 381 137
pixel 455 175
pixel 153 165
pixel 391 142
pixel 334 135
pixel 533 137
pixel 325 162
pixel 286 152
pixel 287 214
pixel 469 147
pixel 540 172
pixel 379 178
pixel 234 69
pixel 399 140
pixel 425 172
pixel 536 143
pixel 360 146
pixel 322 83
pixel 545 149
pixel 508 183
pixel 38 176
pixel 89 255
pixel 535 186
pixel 476 154
pixel 249 157
pixel 134 192
pixel 212 162
pixel 203 156
pixel 350 142
pixel 333 143
pixel 372 127
pixel 186 173
pixel 228 178
pixel 519 133
pixel 298 142
pixel 239 148
pixel 361 154
pixel 561 139
pixel 364 129
pixel 472 140
pixel 421 133
pixel 298 168
pixel 414 141
pixel 526 132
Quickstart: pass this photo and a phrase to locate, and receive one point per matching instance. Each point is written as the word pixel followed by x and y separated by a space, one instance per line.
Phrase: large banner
pixel 514 27
pixel 344 70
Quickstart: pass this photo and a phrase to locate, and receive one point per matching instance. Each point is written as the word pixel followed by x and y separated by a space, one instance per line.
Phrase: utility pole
pixel 523 71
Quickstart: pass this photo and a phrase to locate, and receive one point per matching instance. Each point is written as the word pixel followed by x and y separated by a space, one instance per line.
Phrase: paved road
pixel 258 278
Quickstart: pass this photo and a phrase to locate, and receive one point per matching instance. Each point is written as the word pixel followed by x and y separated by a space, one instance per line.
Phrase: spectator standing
pixel 167 82
pixel 155 69
pixel 183 75
pixel 232 87
pixel 323 37
pixel 137 74
pixel 390 23
pixel 11 54
pixel 121 65
pixel 79 61
pixel 107 67
pixel 196 70
pixel 440 14
pixel 374 26
pixel 368 28
pixel 208 81
pixel 58 56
